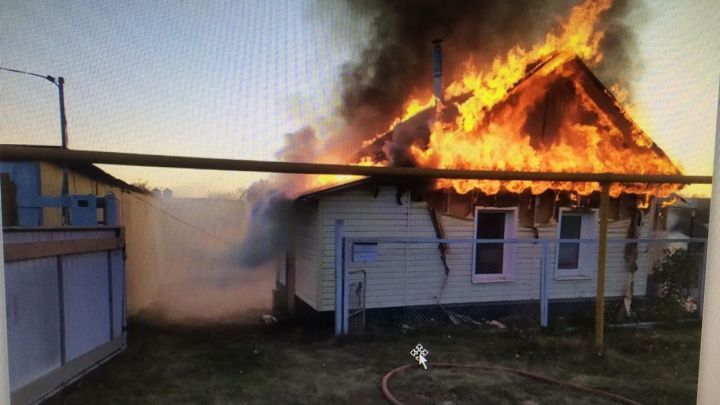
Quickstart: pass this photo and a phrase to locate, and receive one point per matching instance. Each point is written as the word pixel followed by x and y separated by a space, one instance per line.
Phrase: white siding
pixel 307 243
pixel 365 216
pixel 413 274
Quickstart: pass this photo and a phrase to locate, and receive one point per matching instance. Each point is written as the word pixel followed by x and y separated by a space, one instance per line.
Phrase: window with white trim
pixel 493 261
pixel 575 259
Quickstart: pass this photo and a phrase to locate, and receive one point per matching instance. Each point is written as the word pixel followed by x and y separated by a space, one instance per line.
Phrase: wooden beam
pixel 602 254
pixel 35 250
pixel 15 152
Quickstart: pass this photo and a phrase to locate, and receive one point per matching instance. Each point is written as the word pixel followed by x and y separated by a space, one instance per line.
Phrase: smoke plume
pixel 270 221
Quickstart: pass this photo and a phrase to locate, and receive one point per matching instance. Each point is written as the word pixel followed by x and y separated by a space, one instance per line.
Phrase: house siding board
pixel 26 176
pixel 307 252
pixel 364 215
pixel 413 274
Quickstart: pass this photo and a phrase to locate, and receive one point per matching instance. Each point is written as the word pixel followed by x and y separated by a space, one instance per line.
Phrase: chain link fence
pixel 401 284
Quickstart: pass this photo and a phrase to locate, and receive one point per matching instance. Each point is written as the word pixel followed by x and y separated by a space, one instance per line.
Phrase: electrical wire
pixel 182 221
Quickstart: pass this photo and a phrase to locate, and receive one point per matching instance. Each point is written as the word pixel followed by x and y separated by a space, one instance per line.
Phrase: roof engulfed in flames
pixel 536 110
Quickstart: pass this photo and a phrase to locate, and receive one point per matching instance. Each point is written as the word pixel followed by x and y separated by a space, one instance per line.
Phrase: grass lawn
pixel 287 365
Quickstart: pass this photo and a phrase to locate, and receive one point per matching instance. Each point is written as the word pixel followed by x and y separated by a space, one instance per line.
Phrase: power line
pixel 47 77
pixel 184 222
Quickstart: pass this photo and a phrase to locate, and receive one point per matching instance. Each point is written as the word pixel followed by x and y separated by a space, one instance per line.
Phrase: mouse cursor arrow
pixel 422 361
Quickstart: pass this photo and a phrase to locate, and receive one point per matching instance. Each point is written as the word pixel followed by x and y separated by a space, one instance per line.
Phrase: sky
pixel 229 79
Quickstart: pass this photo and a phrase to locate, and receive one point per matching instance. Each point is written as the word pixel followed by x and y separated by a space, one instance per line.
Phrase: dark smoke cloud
pixel 397 63
pixel 621 63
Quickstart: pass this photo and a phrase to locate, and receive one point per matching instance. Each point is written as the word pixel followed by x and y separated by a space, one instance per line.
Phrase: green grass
pixel 259 365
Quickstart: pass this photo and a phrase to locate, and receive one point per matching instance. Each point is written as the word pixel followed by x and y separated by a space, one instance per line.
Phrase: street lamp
pixel 60 83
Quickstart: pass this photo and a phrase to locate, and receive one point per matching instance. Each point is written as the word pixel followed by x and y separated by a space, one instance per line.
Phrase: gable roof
pixel 332 188
pixel 562 66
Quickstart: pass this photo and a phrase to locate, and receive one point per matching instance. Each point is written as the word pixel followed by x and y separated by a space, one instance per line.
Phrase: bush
pixel 674 278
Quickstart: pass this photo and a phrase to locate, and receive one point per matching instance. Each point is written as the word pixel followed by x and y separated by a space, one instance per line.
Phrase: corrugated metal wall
pixel 65 312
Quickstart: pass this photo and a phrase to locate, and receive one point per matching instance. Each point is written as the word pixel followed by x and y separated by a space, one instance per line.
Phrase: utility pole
pixel 60 83
pixel 64 191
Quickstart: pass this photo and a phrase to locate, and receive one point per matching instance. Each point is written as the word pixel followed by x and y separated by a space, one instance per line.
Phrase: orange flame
pixel 325 180
pixel 490 129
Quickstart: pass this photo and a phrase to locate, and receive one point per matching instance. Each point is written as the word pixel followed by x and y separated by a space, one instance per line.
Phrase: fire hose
pixel 539 377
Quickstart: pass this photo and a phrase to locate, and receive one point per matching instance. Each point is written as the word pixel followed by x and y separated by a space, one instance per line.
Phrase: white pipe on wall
pixel 708 388
pixel 339 276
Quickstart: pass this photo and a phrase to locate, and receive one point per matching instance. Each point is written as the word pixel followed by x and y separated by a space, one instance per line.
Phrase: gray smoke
pixel 270 220
pixel 621 63
pixel 269 225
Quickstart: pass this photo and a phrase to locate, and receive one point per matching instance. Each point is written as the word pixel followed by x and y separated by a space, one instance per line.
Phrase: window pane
pixel 569 253
pixel 570 227
pixel 489 256
pixel 568 256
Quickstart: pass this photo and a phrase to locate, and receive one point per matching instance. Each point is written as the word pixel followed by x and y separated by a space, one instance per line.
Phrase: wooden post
pixel 602 254
pixel 290 282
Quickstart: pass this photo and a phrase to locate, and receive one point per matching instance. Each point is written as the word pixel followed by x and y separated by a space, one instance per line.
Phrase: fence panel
pixel 65 292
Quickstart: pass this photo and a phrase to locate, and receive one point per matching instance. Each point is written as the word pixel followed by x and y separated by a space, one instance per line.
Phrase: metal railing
pixel 358 294
pixel 540 267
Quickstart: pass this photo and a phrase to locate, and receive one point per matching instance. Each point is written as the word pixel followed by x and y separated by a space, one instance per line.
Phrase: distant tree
pixel 143 185
pixel 237 194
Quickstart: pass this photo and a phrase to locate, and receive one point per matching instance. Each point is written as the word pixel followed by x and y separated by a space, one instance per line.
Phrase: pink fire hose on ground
pixel 392 399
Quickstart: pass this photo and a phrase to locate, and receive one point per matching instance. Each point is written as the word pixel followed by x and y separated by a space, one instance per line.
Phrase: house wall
pixel 413 274
pixel 364 215
pixel 307 252
pixel 79 184
pixel 26 176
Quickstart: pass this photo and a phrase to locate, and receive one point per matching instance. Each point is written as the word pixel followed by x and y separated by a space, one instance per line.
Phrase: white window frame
pixel 508 248
pixel 586 255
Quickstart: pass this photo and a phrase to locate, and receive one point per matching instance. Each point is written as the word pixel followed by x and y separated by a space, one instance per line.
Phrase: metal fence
pixel 414 283
pixel 65 290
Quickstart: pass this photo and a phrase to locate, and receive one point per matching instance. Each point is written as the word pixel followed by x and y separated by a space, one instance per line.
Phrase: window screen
pixel 489 256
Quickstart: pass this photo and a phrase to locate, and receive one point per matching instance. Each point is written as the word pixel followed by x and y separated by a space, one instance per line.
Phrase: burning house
pixel 541 110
